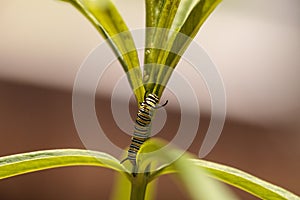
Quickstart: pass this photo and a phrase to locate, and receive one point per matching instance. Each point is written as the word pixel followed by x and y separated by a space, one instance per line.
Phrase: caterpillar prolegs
pixel 142 126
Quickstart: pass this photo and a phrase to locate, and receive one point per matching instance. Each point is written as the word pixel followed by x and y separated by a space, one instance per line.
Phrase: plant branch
pixel 139 186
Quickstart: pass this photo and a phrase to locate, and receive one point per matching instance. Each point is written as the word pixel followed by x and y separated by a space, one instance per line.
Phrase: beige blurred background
pixel 255 45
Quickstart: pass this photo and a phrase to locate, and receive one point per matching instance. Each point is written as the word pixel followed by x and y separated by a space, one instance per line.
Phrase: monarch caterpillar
pixel 142 126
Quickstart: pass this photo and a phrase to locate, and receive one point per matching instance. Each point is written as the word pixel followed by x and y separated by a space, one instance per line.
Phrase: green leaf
pixel 159 14
pixel 188 26
pixel 175 37
pixel 239 179
pixel 121 188
pixel 196 181
pixel 40 160
pixel 109 23
pixel 151 190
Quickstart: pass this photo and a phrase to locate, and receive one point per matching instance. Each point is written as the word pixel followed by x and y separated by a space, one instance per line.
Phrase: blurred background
pixel 255 45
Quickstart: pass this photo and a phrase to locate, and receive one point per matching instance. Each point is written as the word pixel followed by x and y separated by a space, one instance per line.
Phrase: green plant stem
pixel 139 187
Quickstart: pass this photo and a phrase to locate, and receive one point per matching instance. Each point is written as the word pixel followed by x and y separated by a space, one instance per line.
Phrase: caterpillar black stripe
pixel 142 126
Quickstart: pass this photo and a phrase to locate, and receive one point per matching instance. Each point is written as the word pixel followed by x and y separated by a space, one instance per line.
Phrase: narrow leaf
pixel 159 14
pixel 188 26
pixel 165 47
pixel 185 27
pixel 121 188
pixel 109 23
pixel 240 179
pixel 196 181
pixel 151 190
pixel 40 160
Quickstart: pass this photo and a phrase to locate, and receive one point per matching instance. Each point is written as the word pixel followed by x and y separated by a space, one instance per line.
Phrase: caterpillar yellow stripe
pixel 142 126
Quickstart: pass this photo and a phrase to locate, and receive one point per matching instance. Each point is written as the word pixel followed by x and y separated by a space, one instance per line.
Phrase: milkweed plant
pixel 166 21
